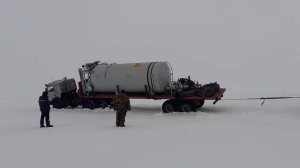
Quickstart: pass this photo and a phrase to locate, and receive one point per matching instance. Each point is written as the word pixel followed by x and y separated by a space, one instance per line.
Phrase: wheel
pixel 168 106
pixel 74 103
pixel 199 104
pixel 57 103
pixel 101 104
pixel 88 104
pixel 104 105
pixel 187 107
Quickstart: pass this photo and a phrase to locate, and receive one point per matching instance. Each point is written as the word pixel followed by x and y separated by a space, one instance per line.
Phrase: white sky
pixel 251 47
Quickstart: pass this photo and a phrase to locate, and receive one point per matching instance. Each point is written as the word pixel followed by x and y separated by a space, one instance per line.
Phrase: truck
pixel 100 82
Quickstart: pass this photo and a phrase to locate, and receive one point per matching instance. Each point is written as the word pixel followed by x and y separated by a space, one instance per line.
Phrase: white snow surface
pixel 250 47
pixel 230 134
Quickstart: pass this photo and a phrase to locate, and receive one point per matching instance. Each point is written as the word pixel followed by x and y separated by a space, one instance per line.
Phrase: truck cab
pixel 60 91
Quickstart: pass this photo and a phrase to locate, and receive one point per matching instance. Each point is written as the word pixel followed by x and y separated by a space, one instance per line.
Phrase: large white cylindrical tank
pixel 132 77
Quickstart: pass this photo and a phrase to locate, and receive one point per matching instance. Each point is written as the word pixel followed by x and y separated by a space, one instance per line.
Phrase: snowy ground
pixel 250 47
pixel 229 134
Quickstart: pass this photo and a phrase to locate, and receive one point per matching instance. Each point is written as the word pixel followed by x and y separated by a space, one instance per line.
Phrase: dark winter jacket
pixel 44 103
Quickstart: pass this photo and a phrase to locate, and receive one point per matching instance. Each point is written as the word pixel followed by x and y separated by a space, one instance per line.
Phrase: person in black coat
pixel 45 110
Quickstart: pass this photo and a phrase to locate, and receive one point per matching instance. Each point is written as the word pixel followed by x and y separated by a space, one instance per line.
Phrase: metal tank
pixel 153 77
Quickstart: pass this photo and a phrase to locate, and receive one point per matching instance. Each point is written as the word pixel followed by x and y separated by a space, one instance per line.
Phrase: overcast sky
pixel 251 47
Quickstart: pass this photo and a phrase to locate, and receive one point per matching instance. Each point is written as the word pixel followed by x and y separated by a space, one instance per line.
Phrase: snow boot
pixel 49 125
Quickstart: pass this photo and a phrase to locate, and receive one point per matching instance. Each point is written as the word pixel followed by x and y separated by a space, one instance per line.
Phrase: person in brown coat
pixel 121 105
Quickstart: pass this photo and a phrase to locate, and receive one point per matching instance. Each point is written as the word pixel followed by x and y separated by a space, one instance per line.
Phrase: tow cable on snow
pixel 264 98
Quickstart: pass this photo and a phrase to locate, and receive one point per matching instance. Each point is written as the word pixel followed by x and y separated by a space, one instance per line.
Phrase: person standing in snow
pixel 121 105
pixel 45 110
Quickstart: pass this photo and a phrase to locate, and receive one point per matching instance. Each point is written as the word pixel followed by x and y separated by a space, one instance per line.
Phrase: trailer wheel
pixel 199 103
pixel 74 103
pixel 168 106
pixel 187 107
pixel 101 104
pixel 88 104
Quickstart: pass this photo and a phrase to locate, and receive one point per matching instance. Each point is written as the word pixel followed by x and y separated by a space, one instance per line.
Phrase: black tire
pixel 197 104
pixel 88 104
pixel 104 105
pixel 58 104
pixel 169 106
pixel 101 104
pixel 74 103
pixel 187 107
pixel 200 103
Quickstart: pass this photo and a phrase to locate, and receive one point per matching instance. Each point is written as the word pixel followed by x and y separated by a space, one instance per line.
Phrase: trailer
pixel 100 82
